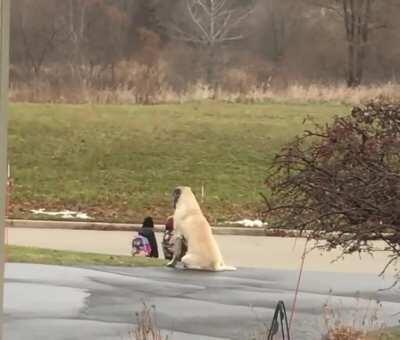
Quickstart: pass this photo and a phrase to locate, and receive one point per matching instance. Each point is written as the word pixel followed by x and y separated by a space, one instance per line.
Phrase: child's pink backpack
pixel 141 246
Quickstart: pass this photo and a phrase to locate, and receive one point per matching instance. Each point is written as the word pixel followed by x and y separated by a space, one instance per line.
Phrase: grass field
pixel 122 162
pixel 71 258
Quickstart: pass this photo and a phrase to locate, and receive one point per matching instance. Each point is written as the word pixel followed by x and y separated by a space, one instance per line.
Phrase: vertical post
pixel 4 73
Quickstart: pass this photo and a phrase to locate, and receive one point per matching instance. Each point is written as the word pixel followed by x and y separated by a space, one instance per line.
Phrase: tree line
pixel 144 45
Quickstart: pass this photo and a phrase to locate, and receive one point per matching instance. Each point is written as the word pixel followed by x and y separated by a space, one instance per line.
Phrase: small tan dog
pixel 203 252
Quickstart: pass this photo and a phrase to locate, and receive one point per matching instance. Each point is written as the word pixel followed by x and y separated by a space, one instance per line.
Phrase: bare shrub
pixel 183 66
pixel 364 319
pixel 237 80
pixel 146 328
pixel 345 333
pixel 144 82
pixel 341 181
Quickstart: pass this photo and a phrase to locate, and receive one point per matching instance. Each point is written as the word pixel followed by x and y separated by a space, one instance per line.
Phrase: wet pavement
pixel 65 303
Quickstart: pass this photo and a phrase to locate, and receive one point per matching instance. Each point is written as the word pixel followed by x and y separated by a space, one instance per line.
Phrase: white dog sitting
pixel 203 252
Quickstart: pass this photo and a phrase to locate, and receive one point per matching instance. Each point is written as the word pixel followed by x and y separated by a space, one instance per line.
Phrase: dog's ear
pixel 177 193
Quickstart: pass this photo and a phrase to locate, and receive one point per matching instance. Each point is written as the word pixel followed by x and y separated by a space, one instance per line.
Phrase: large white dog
pixel 203 252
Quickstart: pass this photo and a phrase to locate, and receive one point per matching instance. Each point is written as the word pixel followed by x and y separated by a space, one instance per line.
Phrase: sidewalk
pixel 237 250
pixel 105 226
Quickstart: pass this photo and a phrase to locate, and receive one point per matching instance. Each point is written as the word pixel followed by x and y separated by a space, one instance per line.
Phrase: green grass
pixel 72 258
pixel 122 162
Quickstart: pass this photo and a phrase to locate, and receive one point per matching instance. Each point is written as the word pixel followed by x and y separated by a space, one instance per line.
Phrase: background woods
pixel 152 50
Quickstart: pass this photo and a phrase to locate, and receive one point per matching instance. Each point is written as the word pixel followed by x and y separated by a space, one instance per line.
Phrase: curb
pixel 103 226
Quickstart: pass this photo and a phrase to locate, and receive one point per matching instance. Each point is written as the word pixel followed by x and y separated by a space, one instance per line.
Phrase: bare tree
pixel 282 19
pixel 42 30
pixel 212 23
pixel 281 42
pixel 359 19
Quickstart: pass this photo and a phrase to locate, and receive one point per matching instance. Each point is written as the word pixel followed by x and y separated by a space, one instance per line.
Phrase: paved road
pixel 245 251
pixel 65 303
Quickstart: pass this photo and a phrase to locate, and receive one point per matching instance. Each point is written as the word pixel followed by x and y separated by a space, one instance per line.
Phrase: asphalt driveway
pixel 65 303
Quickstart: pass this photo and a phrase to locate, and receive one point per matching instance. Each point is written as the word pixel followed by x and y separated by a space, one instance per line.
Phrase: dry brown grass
pixel 357 326
pixel 132 83
pixel 146 328
pixel 345 333
pixel 363 325
pixel 44 92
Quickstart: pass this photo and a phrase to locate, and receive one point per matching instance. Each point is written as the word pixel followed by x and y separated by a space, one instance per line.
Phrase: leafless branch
pixel 342 181
pixel 212 22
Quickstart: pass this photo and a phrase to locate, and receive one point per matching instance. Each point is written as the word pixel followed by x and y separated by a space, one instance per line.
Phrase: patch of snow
pixel 63 214
pixel 250 223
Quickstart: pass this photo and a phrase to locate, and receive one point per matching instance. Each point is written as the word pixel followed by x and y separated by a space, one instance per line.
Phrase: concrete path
pixel 108 226
pixel 245 251
pixel 66 303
